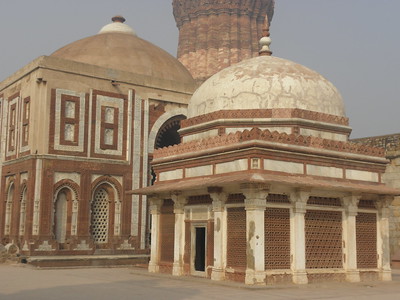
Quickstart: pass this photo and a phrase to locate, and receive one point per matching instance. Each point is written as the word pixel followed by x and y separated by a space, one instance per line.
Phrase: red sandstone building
pixel 78 130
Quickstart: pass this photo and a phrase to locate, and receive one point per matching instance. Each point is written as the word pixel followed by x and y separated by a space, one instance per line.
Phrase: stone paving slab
pixel 22 282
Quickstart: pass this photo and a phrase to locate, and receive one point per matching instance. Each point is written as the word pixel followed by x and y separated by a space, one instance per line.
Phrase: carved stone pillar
pixel 155 207
pixel 219 199
pixel 350 204
pixel 383 206
pixel 297 234
pixel 255 204
pixel 179 243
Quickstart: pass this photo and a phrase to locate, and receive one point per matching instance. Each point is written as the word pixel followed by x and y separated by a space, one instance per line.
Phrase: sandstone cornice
pixel 268 136
pixel 265 113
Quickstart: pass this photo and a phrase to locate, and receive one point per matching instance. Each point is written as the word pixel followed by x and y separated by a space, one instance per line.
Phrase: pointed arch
pixel 160 123
pixel 65 210
pixel 105 209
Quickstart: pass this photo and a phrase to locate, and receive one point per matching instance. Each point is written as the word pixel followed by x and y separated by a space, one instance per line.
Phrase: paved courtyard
pixel 23 282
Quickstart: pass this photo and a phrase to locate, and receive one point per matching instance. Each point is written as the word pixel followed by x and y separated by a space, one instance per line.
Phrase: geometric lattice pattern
pixel 366 240
pixel 100 207
pixel 324 201
pixel 235 198
pixel 278 198
pixel 367 204
pixel 167 232
pixel 236 240
pixel 323 230
pixel 199 199
pixel 277 238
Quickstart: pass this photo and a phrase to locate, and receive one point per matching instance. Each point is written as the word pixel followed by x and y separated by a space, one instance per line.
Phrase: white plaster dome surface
pixel 266 82
pixel 117 27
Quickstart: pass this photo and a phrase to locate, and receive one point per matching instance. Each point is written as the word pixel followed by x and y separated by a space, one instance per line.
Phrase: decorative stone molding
pixel 45 246
pixel 219 198
pixel 82 246
pixel 277 113
pixel 299 200
pixel 155 204
pixel 179 202
pixel 383 205
pixel 255 195
pixel 126 246
pixel 268 136
pixel 350 203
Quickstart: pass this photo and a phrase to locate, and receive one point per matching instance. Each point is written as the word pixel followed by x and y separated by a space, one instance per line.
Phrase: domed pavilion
pixel 265 187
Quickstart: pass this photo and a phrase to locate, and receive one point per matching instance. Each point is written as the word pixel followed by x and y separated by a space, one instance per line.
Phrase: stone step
pixel 86 261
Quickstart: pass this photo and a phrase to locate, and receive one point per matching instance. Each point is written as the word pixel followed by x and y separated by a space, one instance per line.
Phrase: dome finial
pixel 265 41
pixel 119 19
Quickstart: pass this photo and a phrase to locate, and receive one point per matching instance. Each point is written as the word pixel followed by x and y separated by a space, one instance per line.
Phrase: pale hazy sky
pixel 353 43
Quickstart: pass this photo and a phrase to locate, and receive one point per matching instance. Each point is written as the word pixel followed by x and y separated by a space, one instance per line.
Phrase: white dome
pixel 266 82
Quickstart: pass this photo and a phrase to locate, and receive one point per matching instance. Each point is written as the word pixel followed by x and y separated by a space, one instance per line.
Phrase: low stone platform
pixel 86 261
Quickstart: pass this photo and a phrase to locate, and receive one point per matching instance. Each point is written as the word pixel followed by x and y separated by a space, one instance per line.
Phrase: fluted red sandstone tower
pixel 213 34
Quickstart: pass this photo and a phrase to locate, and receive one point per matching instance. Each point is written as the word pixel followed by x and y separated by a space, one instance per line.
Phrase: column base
pixel 153 268
pixel 177 269
pixel 300 277
pixel 385 275
pixel 353 276
pixel 255 277
pixel 217 274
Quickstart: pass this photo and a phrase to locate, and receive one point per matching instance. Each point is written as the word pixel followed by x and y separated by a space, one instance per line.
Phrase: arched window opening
pixel 22 213
pixel 9 204
pixel 100 216
pixel 60 216
pixel 168 135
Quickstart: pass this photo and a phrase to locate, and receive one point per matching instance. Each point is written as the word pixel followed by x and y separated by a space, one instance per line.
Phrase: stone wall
pixel 391 143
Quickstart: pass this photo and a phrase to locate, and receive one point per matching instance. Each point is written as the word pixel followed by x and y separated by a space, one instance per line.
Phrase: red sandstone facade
pixel 216 34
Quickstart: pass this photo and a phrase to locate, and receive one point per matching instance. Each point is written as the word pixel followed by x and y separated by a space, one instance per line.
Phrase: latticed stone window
pixel 100 216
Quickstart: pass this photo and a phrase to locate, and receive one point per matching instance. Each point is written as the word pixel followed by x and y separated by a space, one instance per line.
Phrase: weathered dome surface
pixel 266 82
pixel 117 47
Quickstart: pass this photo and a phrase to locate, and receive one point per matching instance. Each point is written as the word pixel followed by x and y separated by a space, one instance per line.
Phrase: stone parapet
pixel 266 135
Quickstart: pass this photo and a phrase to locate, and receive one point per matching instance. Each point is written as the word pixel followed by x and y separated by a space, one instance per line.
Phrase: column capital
pixel 179 202
pixel 155 204
pixel 383 205
pixel 255 193
pixel 219 199
pixel 350 203
pixel 299 198
pixel 384 202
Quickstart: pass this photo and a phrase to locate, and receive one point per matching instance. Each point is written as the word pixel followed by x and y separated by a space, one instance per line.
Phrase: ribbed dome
pixel 117 47
pixel 266 82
